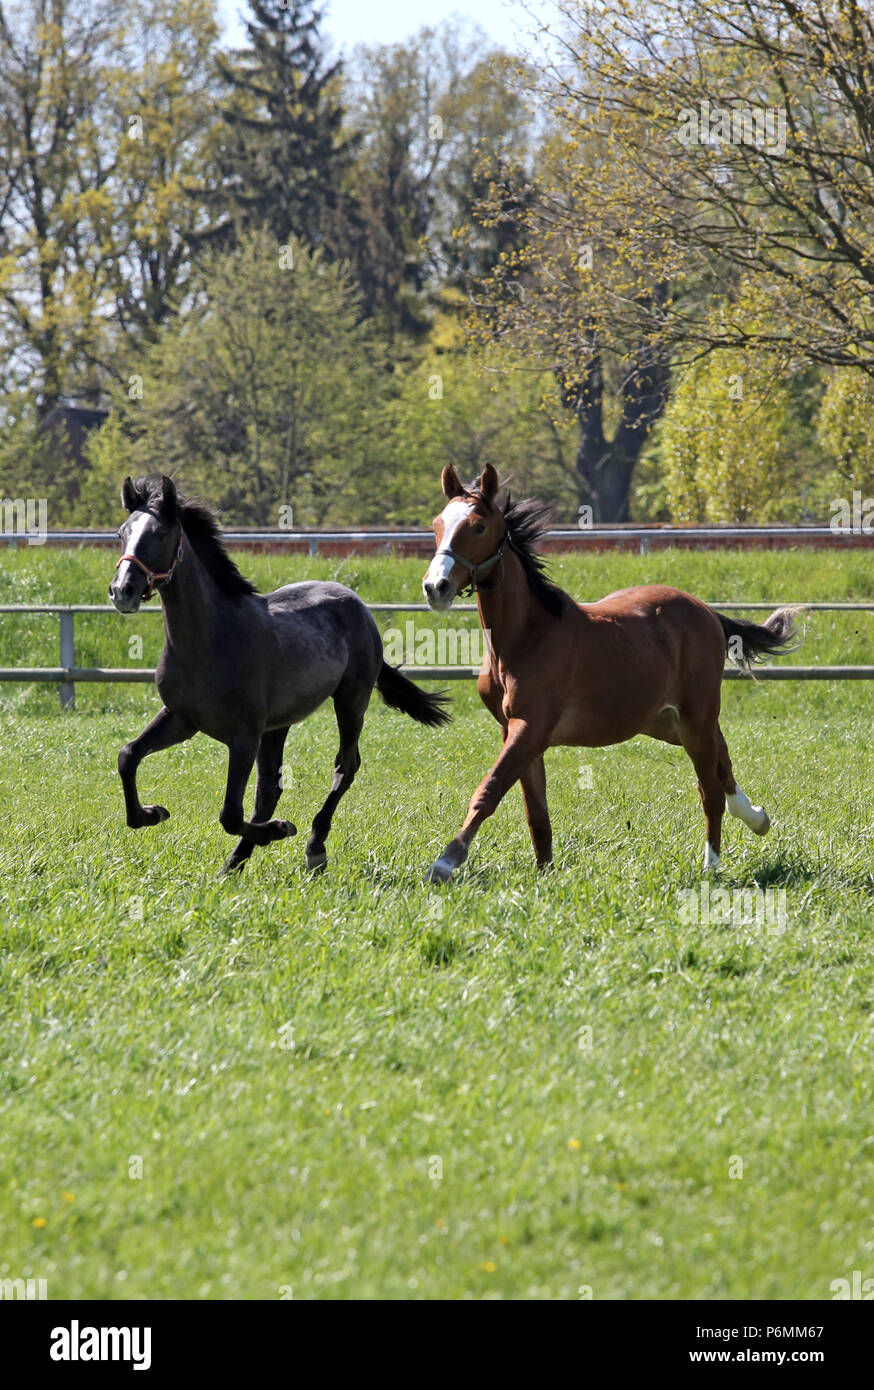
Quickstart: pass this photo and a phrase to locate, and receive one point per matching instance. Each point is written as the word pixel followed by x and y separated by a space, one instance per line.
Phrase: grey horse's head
pixel 151 541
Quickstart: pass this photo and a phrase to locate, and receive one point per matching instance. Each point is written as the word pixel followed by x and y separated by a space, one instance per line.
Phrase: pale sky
pixel 348 22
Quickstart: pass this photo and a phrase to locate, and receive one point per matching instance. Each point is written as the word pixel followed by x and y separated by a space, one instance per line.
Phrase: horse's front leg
pixel 165 729
pixel 242 752
pixel 268 790
pixel 523 743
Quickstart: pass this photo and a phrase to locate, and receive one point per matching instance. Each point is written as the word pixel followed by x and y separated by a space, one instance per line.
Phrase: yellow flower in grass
pixel 67 1197
pixel 489 1267
pixel 573 1143
pixel 39 1222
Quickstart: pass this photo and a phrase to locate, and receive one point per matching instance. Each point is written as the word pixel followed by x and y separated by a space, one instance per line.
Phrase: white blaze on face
pixel 134 537
pixel 442 565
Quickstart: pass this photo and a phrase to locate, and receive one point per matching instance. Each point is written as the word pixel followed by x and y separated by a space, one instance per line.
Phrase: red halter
pixel 151 578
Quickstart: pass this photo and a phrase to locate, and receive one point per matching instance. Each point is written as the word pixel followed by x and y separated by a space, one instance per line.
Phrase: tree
pixel 102 110
pixel 163 93
pixel 722 441
pixel 438 118
pixel 283 153
pixel 697 147
pixel 264 394
pixel 467 408
pixel 54 204
pixel 843 431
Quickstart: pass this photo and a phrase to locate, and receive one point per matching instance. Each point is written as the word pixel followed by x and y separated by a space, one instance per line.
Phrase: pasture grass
pixel 357 1086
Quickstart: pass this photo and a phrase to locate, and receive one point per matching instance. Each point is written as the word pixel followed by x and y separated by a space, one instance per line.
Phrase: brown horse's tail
pixel 746 642
pixel 400 693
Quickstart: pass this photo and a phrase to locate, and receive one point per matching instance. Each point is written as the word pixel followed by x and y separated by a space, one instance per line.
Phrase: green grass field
pixel 357 1086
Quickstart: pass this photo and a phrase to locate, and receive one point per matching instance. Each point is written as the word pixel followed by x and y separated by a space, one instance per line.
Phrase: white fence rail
pixel 67 674
pixel 581 537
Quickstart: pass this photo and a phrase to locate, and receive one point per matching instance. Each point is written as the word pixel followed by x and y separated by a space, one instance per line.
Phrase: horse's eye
pixel 479 528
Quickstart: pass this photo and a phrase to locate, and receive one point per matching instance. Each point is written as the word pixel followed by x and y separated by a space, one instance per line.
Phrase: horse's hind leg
pixel 739 804
pixel 165 730
pixel 350 711
pixel 268 790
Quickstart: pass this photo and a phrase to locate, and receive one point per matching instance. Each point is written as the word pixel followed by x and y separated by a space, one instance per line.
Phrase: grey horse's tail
pixel 400 693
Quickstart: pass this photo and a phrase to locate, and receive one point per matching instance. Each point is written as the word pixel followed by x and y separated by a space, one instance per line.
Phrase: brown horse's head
pixel 470 534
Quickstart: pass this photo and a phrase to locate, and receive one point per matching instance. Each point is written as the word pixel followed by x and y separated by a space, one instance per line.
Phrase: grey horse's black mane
pixel 201 526
pixel 528 521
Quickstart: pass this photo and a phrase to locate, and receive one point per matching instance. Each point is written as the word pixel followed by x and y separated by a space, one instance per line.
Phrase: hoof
pixel 231 866
pixel 440 871
pixel 711 859
pixel 763 825
pixel 285 829
pixel 150 815
pixel 317 862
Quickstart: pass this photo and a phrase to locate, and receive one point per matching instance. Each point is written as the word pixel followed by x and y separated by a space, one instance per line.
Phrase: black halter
pixel 477 572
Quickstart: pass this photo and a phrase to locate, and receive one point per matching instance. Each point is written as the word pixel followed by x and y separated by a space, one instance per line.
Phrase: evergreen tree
pixel 282 151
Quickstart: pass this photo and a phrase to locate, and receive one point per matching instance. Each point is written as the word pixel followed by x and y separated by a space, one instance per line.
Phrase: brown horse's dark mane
pixel 527 522
pixel 201 526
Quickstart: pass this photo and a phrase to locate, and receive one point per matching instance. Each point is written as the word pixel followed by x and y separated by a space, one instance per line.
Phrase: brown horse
pixel 647 660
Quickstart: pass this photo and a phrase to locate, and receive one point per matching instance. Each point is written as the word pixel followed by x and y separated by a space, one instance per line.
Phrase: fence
pixel 67 674
pixel 421 542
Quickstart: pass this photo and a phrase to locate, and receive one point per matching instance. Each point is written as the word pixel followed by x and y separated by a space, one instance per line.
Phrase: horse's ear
pixel 168 494
pixel 452 484
pixel 488 483
pixel 129 498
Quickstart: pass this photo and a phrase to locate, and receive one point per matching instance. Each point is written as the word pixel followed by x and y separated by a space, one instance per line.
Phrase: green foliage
pixel 722 440
pixel 100 133
pixel 30 464
pixel 843 430
pixel 265 393
pixel 110 458
pixel 281 157
pixel 469 409
pixel 437 116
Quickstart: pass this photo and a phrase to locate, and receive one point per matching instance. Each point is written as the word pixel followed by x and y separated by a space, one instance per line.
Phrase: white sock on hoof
pixel 440 871
pixel 711 858
pixel 756 817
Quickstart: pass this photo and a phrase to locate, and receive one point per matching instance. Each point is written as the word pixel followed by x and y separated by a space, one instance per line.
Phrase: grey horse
pixel 243 667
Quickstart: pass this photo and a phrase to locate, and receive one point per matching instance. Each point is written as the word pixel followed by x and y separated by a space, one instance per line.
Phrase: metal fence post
pixel 68 659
